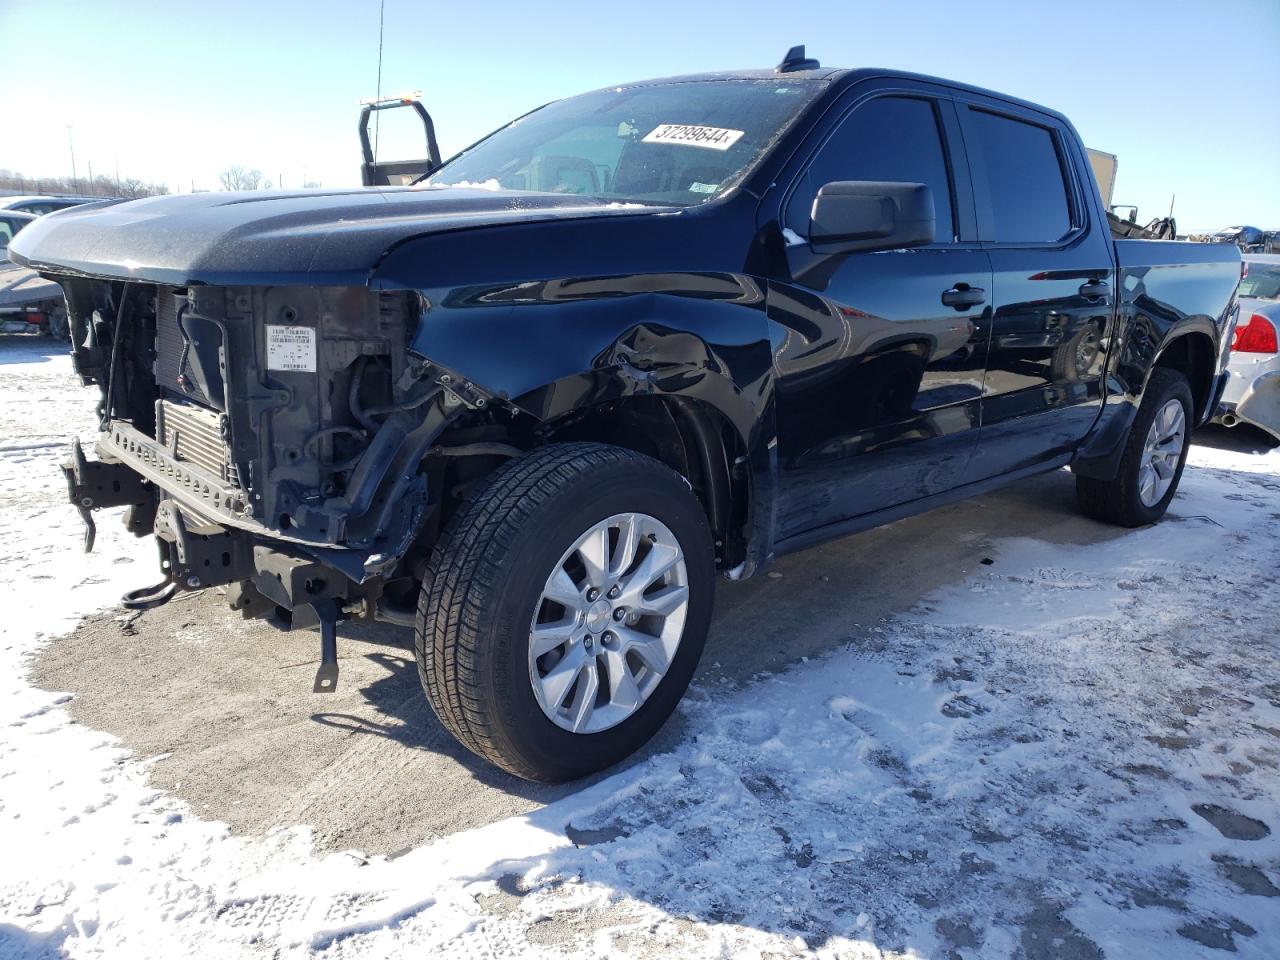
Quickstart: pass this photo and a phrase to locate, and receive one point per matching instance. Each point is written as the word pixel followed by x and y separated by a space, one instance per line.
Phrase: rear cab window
pixel 891 138
pixel 1026 183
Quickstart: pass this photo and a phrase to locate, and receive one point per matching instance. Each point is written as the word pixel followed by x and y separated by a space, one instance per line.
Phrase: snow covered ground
pixel 1074 753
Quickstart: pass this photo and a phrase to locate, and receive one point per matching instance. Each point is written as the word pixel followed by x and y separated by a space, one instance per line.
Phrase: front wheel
pixel 565 609
pixel 1155 454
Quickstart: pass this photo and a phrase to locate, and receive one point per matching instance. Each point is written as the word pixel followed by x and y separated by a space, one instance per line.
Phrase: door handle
pixel 962 296
pixel 1094 289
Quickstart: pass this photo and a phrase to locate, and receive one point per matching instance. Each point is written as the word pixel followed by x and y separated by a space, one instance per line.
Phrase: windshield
pixel 675 143
pixel 1263 282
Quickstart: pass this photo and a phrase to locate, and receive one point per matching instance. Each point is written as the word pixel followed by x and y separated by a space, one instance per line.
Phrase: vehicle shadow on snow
pixel 25 945
pixel 29 348
pixel 1241 439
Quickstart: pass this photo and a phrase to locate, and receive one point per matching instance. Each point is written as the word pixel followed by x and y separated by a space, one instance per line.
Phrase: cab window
pixel 888 138
pixel 1025 180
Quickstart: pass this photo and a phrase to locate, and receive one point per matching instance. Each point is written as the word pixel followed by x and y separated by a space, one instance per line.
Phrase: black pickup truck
pixel 533 403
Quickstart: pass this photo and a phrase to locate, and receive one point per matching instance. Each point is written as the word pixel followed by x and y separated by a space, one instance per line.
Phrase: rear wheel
pixel 565 609
pixel 1155 454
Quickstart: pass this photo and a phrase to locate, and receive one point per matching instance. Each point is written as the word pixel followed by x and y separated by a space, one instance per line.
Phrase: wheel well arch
pixel 1192 354
pixel 691 437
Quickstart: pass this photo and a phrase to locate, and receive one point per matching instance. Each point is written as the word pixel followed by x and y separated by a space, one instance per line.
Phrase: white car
pixel 1252 393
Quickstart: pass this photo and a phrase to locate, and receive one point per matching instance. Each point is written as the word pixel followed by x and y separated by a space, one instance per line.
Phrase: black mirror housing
pixel 851 216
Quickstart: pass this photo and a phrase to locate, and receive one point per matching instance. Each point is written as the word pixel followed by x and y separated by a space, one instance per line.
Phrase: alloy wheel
pixel 608 623
pixel 1161 453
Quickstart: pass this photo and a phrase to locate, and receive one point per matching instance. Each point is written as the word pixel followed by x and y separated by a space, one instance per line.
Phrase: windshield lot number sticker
pixel 291 348
pixel 713 138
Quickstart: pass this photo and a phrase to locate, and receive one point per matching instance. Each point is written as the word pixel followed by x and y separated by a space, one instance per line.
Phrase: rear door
pixel 879 378
pixel 1053 286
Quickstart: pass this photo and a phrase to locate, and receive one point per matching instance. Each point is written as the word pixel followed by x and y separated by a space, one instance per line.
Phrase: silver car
pixel 1252 394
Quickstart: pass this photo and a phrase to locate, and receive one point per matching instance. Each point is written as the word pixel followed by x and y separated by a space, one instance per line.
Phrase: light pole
pixel 72 144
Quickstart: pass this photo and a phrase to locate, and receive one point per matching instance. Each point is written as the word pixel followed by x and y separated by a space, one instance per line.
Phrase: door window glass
pixel 889 138
pixel 1024 179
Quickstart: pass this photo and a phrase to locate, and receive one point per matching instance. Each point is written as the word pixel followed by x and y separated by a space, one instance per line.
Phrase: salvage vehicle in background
pixel 1252 391
pixel 1248 239
pixel 28 302
pixel 638 336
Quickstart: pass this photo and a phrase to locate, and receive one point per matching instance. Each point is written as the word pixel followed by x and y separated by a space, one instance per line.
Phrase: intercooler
pixel 195 435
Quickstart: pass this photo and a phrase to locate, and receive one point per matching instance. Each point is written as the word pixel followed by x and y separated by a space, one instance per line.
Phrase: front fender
pixel 556 346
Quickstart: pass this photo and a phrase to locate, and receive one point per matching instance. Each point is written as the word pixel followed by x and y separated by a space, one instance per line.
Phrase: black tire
pixel 1117 500
pixel 484 582
pixel 57 326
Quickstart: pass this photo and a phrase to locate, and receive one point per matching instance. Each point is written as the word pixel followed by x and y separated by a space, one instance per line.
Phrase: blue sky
pixel 180 90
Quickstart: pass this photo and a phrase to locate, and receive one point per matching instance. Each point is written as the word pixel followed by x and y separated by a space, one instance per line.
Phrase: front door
pixel 879 357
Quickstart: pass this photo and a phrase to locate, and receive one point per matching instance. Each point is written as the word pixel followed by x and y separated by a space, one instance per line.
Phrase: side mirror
pixel 851 216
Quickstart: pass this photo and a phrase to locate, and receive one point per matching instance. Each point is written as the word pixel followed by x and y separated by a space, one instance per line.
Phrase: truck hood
pixel 276 237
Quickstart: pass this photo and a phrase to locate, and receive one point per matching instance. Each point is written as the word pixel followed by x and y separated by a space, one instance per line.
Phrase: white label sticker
pixel 291 348
pixel 713 138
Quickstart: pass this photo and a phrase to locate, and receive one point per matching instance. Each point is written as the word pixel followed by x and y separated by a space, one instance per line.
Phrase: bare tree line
pixel 238 178
pixel 100 186
pixel 233 178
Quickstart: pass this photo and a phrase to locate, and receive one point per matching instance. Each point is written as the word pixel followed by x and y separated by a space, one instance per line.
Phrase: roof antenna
pixel 377 121
pixel 796 60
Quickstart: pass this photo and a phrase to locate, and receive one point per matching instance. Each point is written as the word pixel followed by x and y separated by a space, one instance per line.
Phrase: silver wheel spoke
pixel 584 698
pixel 594 552
pixel 557 683
pixel 563 591
pixel 656 563
pixel 624 554
pixel 547 636
pixel 623 690
pixel 616 645
pixel 663 602
pixel 1146 481
pixel 649 649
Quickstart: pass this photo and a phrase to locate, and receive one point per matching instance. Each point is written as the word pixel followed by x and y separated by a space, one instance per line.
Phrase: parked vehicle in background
pixel 28 302
pixel 44 203
pixel 1252 391
pixel 11 221
pixel 1248 239
pixel 1271 242
pixel 533 404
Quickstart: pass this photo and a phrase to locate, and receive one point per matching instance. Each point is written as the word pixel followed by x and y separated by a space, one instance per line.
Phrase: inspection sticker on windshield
pixel 713 138
pixel 291 348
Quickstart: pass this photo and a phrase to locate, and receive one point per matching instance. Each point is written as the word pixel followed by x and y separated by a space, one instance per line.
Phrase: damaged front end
pixel 280 442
